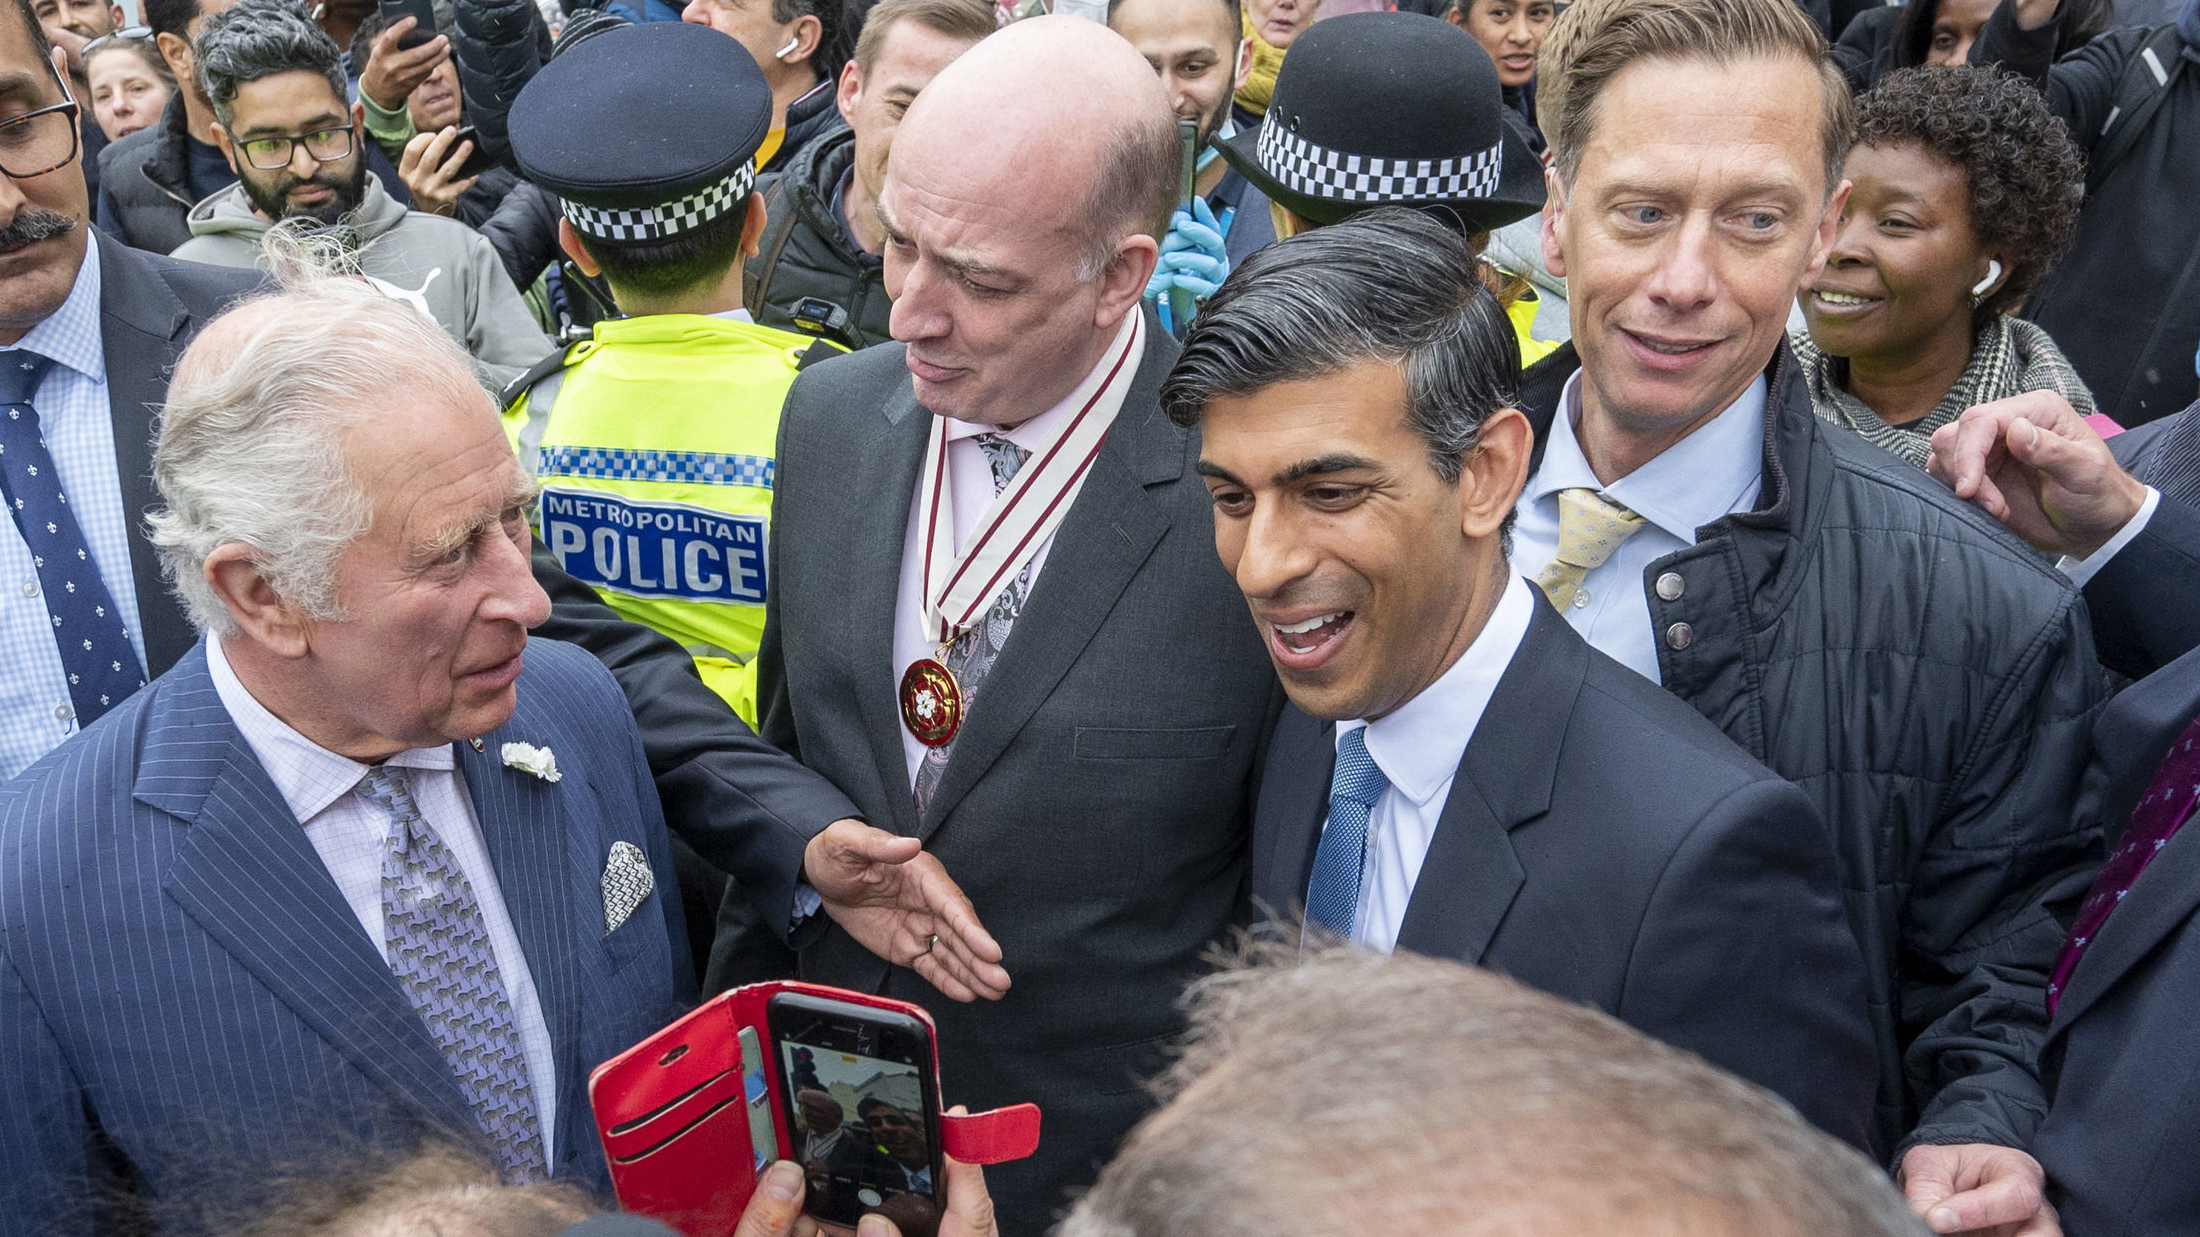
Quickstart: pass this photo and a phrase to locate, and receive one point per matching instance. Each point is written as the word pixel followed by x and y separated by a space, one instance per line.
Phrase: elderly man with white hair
pixel 365 867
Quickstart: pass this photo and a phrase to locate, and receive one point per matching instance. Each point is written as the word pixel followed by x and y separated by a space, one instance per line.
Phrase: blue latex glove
pixel 1193 264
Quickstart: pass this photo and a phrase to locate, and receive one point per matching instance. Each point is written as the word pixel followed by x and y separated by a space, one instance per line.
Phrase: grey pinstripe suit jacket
pixel 186 998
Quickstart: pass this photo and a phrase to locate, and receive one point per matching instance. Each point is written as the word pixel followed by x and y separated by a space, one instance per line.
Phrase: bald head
pixel 1002 111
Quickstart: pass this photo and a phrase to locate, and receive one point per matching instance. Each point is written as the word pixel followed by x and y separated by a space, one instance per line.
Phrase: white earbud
pixel 1993 276
pixel 793 42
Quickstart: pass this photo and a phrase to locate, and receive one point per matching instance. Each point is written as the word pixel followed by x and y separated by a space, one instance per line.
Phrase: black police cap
pixel 644 132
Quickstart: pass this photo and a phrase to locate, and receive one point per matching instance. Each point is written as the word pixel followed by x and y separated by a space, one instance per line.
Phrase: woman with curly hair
pixel 1965 189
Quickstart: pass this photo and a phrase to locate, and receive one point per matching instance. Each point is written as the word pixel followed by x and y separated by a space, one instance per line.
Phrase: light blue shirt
pixel 78 422
pixel 1712 473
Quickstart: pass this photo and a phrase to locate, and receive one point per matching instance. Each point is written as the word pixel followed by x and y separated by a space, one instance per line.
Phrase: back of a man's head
pixel 261 38
pixel 1593 40
pixel 1358 1095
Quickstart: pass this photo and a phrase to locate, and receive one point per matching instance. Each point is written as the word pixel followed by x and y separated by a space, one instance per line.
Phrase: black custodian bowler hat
pixel 1389 109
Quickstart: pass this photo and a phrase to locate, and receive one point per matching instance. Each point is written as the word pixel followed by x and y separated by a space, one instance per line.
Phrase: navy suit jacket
pixel 2121 1142
pixel 186 1000
pixel 1605 843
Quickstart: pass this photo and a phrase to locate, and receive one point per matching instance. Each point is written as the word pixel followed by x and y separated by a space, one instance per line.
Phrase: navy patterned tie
pixel 1340 861
pixel 974 652
pixel 438 947
pixel 87 624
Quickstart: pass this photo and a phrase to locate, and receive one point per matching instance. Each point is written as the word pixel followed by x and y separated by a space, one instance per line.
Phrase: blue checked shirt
pixel 79 425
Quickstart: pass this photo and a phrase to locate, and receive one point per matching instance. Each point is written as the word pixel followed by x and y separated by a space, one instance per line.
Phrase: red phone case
pixel 673 1112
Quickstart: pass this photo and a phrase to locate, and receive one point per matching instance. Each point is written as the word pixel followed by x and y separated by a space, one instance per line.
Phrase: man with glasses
pixel 276 83
pixel 88 333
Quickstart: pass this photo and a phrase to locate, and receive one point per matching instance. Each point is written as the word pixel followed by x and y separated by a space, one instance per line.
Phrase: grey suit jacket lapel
pixel 249 877
pixel 544 868
pixel 142 325
pixel 1505 779
pixel 886 471
pixel 1109 532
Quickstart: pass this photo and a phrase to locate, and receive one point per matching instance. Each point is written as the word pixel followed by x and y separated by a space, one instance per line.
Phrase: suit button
pixel 1671 586
pixel 1679 636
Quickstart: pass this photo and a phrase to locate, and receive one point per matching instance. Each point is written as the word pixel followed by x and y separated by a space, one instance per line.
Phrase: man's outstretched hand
pixel 900 904
pixel 2034 464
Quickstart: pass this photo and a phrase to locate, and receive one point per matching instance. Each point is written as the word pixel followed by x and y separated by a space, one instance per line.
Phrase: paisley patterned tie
pixel 438 947
pixel 974 652
pixel 1591 529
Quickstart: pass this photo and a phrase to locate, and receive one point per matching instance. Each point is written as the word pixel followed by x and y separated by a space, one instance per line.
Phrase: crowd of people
pixel 1492 615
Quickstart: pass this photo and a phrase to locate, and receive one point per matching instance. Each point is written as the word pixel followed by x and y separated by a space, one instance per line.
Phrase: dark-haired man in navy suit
pixel 1460 774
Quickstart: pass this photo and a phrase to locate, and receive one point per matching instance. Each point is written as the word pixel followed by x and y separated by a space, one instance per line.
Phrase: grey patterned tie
pixel 438 947
pixel 974 652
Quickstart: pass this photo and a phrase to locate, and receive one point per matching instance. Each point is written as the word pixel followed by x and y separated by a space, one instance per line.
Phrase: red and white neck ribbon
pixel 958 587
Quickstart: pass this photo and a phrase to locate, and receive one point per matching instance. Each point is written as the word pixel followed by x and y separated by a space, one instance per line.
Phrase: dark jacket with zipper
pixel 2124 301
pixel 1931 684
pixel 804 253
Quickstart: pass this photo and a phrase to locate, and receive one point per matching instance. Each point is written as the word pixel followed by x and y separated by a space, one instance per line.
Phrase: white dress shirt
pixel 348 832
pixel 1418 746
pixel 36 713
pixel 1714 472
pixel 971 494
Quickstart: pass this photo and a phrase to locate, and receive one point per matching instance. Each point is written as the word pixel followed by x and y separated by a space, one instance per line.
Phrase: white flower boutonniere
pixel 527 758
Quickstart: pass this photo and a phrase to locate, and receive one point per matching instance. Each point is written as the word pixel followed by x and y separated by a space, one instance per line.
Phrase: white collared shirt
pixel 1712 473
pixel 348 832
pixel 971 494
pixel 1418 746
pixel 77 421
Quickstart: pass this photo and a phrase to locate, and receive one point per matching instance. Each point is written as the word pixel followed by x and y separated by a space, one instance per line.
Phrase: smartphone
pixel 476 162
pixel 1188 132
pixel 863 1110
pixel 421 11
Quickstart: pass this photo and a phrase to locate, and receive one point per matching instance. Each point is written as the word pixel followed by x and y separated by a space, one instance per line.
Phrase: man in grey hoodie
pixel 277 86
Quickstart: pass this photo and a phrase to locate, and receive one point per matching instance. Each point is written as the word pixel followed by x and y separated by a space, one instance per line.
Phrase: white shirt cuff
pixel 806 904
pixel 2082 570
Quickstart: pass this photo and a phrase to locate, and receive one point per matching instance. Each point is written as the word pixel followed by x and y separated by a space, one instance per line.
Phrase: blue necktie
pixel 87 624
pixel 1333 893
pixel 438 946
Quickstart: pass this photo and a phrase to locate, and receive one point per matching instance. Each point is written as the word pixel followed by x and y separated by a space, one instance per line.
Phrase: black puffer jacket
pixel 499 45
pixel 804 253
pixel 1931 683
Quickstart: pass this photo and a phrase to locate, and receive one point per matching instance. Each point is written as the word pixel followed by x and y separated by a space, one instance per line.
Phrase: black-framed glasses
pixel 270 153
pixel 36 143
pixel 128 34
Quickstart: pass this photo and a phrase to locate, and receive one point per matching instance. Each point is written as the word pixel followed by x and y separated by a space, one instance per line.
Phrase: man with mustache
pixel 276 83
pixel 106 322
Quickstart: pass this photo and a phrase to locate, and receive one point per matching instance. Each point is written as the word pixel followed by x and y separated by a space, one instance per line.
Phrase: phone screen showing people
pixel 865 1126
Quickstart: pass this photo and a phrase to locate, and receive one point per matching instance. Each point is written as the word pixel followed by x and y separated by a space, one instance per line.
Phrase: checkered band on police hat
pixel 649 223
pixel 1320 172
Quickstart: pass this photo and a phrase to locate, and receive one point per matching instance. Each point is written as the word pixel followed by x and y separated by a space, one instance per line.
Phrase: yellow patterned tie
pixel 1591 529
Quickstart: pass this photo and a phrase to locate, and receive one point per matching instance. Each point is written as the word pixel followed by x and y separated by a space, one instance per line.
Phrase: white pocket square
pixel 627 880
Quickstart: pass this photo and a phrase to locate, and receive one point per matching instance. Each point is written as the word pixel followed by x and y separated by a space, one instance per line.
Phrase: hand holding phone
pixel 421 11
pixel 863 1110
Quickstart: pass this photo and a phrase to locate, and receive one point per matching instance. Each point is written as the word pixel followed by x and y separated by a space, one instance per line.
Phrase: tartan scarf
pixel 2009 356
